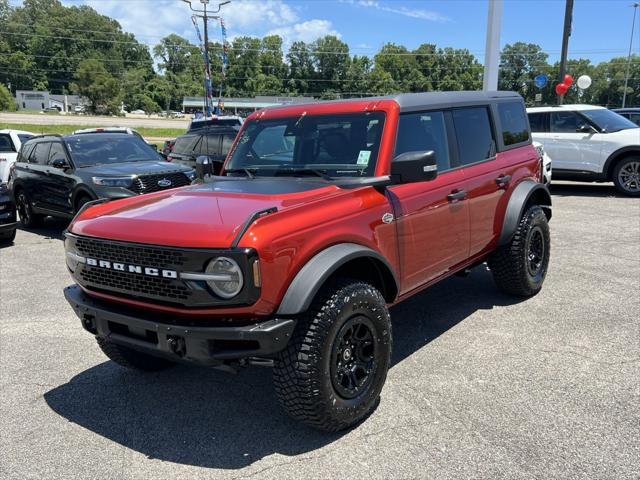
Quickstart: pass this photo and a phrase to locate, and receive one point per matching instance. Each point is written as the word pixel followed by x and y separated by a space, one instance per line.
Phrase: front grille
pixel 130 254
pixel 149 183
pixel 135 283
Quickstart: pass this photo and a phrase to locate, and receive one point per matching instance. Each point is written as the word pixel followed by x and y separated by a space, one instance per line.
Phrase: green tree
pixel 402 66
pixel 520 64
pixel 96 84
pixel 7 102
pixel 301 70
pixel 331 59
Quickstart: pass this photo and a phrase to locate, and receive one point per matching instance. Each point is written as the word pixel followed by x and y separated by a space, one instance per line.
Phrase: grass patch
pixel 67 129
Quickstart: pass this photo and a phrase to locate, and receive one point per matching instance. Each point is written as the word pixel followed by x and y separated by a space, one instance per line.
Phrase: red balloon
pixel 561 89
pixel 568 80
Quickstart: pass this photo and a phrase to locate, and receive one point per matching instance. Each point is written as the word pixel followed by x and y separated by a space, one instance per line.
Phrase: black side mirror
pixel 60 163
pixel 204 167
pixel 412 167
pixel 586 128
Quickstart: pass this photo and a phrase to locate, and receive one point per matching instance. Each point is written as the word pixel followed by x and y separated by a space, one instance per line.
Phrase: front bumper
pixel 208 346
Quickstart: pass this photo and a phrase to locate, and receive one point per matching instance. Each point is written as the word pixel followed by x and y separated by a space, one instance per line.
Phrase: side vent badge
pixel 387 217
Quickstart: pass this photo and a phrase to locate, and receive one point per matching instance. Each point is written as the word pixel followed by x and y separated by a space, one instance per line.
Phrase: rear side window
pixel 423 132
pixel 474 135
pixel 41 154
pixel 185 144
pixel 538 122
pixel 513 123
pixel 6 145
pixel 211 145
pixel 25 151
pixel 227 142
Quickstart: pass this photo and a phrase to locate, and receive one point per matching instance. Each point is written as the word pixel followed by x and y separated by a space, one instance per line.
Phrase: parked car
pixel 589 143
pixel 127 130
pixel 167 147
pixel 324 216
pixel 546 163
pixel 632 114
pixel 215 121
pixel 8 222
pixel 10 143
pixel 211 142
pixel 138 112
pixel 56 175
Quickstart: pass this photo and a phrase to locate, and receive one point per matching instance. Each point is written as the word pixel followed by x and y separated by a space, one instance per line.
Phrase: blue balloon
pixel 540 80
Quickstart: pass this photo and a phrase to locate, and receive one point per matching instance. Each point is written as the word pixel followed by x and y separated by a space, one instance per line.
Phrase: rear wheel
pixel 626 176
pixel 332 372
pixel 520 267
pixel 81 201
pixel 129 358
pixel 28 219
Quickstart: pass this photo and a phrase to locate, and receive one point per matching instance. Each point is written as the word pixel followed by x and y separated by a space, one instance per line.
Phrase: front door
pixel 570 149
pixel 432 222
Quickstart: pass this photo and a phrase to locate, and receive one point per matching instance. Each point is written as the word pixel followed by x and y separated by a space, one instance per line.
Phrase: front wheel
pixel 626 176
pixel 332 372
pixel 520 267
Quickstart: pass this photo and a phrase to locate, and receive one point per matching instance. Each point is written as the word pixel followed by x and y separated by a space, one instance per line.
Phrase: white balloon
pixel 584 82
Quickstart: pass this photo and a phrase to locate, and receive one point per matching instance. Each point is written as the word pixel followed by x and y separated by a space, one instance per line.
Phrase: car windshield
pixel 319 145
pixel 608 121
pixel 106 148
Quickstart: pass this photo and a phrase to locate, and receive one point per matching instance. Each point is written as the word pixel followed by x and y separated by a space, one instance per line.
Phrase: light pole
pixel 626 75
pixel 205 15
pixel 566 33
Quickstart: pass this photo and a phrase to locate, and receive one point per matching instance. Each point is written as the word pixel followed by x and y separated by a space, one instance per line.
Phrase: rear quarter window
pixel 513 123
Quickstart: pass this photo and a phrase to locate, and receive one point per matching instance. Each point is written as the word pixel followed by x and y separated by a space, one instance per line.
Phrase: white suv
pixel 10 143
pixel 589 143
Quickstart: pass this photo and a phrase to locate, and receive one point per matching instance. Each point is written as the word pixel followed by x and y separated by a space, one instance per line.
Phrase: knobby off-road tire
pixel 519 268
pixel 345 334
pixel 132 359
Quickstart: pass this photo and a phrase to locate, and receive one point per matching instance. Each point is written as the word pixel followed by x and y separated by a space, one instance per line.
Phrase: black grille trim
pixel 149 183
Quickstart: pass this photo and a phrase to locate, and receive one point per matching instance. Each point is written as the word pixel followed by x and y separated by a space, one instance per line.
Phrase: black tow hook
pixel 177 345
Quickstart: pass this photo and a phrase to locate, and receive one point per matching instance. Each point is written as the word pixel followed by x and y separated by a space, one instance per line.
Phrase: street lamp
pixel 626 75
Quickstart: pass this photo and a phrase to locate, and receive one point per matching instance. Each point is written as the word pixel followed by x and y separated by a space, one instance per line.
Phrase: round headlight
pixel 229 277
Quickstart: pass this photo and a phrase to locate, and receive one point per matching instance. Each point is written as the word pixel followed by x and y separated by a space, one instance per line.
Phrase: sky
pixel 601 28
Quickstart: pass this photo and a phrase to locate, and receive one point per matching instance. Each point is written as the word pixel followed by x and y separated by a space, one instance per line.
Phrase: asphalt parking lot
pixel 482 385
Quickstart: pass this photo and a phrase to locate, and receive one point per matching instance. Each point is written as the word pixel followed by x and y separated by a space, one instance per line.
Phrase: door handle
pixel 502 180
pixel 457 195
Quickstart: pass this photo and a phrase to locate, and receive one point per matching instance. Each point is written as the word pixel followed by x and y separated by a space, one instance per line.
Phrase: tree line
pixel 45 45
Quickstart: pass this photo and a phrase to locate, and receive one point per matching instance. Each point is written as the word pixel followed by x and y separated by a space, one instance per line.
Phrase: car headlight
pixel 191 174
pixel 114 181
pixel 229 279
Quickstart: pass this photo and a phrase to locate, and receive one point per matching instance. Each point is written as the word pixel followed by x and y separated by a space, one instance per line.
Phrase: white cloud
pixel 306 31
pixel 405 11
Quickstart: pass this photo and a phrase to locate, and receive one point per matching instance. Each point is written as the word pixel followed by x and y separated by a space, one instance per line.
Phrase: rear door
pixel 432 226
pixel 57 184
pixel 36 176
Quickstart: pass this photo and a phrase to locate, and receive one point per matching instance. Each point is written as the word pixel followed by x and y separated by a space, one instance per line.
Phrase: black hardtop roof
pixel 428 100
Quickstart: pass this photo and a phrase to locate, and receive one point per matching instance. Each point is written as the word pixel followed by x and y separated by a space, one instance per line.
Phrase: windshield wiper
pixel 302 171
pixel 249 172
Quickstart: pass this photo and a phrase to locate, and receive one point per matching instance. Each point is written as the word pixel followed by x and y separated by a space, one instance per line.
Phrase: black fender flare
pixel 616 155
pixel 318 269
pixel 518 201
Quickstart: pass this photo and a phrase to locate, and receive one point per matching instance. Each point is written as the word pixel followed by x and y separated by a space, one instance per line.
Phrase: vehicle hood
pixel 133 168
pixel 199 216
pixel 629 135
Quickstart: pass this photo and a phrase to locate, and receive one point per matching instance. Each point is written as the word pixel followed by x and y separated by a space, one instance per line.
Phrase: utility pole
pixel 566 33
pixel 204 15
pixel 492 46
pixel 626 75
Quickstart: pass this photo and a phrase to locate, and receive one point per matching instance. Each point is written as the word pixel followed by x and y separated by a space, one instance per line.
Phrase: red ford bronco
pixel 324 216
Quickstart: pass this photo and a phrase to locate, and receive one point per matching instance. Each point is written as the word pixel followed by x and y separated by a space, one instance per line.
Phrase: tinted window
pixel 57 152
pixel 513 123
pixel 41 153
pixel 212 143
pixel 227 142
pixel 635 118
pixel 607 120
pixel 422 132
pixel 108 148
pixel 6 145
pixel 565 122
pixel 340 145
pixel 25 151
pixel 24 137
pixel 538 123
pixel 473 132
pixel 185 143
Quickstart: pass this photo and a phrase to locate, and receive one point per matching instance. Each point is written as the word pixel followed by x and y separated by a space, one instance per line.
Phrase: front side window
pixel 210 145
pixel 57 152
pixel 473 131
pixel 423 132
pixel 103 149
pixel 566 122
pixel 335 145
pixel 513 122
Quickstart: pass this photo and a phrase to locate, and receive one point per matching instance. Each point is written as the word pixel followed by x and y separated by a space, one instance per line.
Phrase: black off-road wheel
pixel 520 267
pixel 332 372
pixel 28 219
pixel 132 359
pixel 626 176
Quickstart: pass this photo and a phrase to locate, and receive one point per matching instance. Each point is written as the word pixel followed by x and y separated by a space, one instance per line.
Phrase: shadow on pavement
pixel 207 418
pixel 585 190
pixel 51 227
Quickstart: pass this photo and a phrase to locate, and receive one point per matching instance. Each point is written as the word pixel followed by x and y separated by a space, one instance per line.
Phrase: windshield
pixel 105 148
pixel 608 121
pixel 336 145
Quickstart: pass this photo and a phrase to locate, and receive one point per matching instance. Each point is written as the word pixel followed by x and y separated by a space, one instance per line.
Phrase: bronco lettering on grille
pixel 123 267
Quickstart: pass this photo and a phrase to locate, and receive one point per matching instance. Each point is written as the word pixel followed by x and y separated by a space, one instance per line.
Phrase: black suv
pixel 56 175
pixel 212 142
